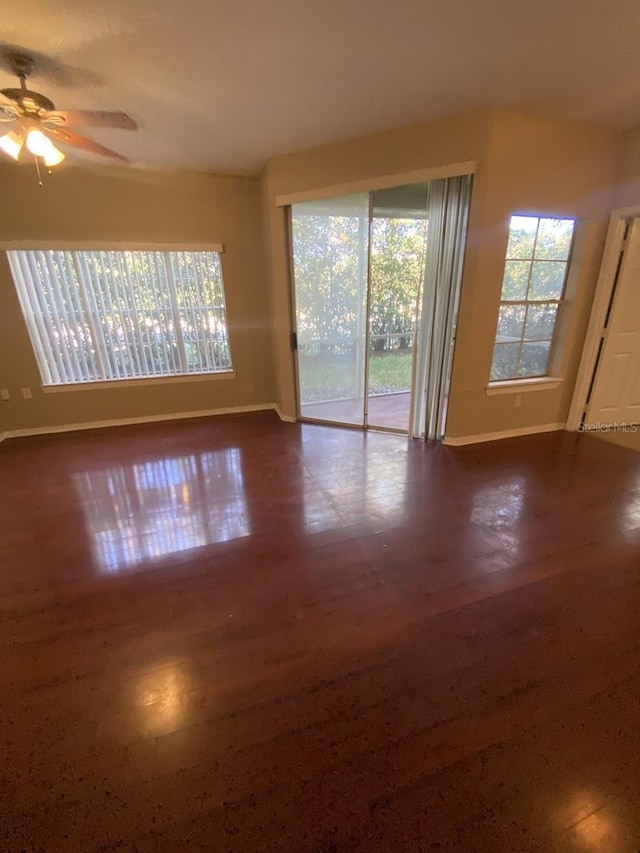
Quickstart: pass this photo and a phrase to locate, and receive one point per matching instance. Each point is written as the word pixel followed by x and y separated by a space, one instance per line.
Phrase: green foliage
pixel 330 267
pixel 511 322
pixel 331 379
pixel 516 280
pixel 397 268
pixel 513 360
pixel 547 279
pixel 542 238
pixel 505 361
pixel 537 254
pixel 330 273
pixel 389 372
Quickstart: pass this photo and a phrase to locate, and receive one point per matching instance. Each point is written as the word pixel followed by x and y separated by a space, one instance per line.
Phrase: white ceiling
pixel 222 85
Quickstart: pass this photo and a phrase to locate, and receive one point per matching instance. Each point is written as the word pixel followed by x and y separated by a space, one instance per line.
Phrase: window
pixel 103 315
pixel 535 272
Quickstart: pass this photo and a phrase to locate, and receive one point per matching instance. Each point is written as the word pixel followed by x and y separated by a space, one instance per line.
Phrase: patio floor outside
pixel 386 411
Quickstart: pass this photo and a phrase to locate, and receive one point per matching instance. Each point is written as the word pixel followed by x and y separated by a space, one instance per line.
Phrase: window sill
pixel 519 386
pixel 137 383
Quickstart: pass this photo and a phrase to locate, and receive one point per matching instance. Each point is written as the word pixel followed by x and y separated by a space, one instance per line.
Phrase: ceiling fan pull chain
pixel 40 184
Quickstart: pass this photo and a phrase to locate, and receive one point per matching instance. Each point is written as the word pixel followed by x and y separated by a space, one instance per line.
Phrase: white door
pixel 615 397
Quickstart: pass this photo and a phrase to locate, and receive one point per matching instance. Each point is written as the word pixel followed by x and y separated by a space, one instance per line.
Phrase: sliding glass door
pixel 398 251
pixel 376 282
pixel 330 241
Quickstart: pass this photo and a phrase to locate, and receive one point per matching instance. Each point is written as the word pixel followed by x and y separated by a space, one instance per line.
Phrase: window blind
pixel 104 315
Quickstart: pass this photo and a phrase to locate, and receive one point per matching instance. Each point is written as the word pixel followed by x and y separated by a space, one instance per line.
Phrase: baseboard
pixel 451 441
pixel 286 418
pixel 496 436
pixel 145 419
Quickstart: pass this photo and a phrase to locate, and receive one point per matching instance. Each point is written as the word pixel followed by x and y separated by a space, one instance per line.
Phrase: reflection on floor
pixel 136 513
pixel 233 634
pixel 385 410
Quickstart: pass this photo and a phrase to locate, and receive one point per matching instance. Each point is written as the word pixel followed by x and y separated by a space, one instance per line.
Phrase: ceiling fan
pixel 30 120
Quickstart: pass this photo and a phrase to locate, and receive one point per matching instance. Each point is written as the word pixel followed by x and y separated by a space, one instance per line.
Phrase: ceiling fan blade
pixel 90 118
pixel 68 137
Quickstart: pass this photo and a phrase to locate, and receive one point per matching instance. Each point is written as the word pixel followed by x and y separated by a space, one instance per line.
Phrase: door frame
pixel 365 426
pixel 294 325
pixel 613 248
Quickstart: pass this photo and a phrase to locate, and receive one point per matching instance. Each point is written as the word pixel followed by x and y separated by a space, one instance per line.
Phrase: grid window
pixel 102 315
pixel 532 290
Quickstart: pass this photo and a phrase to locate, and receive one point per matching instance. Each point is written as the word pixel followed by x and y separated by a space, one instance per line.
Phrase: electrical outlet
pixel 4 394
pixel 26 393
pixel 518 401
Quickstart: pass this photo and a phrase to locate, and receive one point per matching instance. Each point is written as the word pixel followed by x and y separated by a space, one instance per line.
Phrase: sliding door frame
pixel 414 337
pixel 383 182
pixel 367 318
pixel 293 338
pixel 368 185
pixel 293 334
pixel 367 336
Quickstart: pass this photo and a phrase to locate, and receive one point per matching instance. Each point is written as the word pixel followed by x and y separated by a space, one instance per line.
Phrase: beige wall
pixel 524 164
pixel 127 205
pixel 407 149
pixel 628 172
pixel 538 166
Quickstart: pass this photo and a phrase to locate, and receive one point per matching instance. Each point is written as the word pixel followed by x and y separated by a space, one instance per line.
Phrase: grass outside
pixel 335 379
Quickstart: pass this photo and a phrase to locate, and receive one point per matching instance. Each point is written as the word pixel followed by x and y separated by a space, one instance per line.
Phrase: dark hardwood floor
pixel 234 634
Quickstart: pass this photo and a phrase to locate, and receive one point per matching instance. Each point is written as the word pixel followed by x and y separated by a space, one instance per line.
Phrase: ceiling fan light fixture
pixel 37 143
pixel 39 123
pixel 11 143
pixel 41 146
pixel 53 158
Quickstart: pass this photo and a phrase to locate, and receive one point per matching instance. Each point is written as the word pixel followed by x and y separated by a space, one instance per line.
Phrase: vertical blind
pixel 449 202
pixel 104 315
